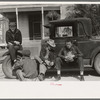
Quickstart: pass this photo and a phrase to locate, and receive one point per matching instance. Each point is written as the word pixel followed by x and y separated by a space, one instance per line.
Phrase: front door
pixel 35 26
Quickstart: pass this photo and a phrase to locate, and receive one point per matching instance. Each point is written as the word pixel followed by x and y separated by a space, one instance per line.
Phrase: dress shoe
pixel 82 78
pixel 58 77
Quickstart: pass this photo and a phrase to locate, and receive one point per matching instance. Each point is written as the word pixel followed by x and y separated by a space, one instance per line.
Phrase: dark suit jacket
pixel 28 66
pixel 75 50
pixel 51 56
pixel 11 37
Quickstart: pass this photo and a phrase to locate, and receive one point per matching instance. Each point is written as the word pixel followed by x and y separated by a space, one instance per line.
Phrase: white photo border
pixel 50 90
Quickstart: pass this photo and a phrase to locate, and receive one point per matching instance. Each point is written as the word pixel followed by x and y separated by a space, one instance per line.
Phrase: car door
pixel 85 44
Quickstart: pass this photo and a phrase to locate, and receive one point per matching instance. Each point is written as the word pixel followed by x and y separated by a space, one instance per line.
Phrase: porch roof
pixel 28 7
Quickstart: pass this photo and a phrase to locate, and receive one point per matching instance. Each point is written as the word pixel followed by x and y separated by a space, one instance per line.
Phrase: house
pixel 30 19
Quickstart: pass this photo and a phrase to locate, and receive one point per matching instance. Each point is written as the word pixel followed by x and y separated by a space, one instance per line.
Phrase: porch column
pixel 17 18
pixel 42 10
pixel 60 11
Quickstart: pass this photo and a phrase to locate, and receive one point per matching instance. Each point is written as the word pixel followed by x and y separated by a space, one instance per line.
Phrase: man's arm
pixel 8 40
pixel 42 53
pixel 19 64
pixel 18 37
pixel 61 53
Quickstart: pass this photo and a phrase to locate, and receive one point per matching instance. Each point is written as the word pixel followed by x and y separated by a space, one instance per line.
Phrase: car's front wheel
pixel 97 63
pixel 7 68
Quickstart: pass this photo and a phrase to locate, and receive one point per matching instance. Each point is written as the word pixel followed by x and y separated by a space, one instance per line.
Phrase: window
pixel 64 31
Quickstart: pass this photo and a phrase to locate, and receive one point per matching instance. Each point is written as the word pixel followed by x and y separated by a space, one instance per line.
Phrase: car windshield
pixel 64 31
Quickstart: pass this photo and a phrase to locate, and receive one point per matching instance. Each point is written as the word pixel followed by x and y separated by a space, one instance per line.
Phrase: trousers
pixel 13 50
pixel 59 63
pixel 42 68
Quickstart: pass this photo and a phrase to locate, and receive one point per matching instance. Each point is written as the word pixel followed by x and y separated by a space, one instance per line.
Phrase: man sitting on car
pixel 13 40
pixel 68 54
pixel 46 58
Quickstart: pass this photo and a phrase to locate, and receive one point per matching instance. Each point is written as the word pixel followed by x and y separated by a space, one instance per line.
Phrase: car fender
pixel 93 55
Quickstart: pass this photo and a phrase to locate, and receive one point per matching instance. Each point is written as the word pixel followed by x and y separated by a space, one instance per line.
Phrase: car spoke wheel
pixel 97 63
pixel 7 68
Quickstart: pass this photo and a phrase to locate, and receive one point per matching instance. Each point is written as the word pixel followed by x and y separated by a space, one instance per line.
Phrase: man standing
pixel 68 54
pixel 46 59
pixel 13 40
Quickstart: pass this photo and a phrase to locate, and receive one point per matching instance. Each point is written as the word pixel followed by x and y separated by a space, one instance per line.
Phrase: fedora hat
pixel 12 24
pixel 51 43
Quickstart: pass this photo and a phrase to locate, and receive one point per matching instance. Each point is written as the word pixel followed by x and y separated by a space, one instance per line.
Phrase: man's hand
pixel 10 43
pixel 69 58
pixel 47 62
pixel 16 42
pixel 51 63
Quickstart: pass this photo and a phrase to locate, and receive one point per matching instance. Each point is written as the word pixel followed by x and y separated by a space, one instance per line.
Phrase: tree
pixel 89 11
pixel 52 15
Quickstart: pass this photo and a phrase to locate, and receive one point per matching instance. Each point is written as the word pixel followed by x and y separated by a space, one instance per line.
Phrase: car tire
pixel 97 63
pixel 7 68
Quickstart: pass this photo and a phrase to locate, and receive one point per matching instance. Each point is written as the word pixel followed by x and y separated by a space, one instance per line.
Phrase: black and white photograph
pixel 49 42
pixel 52 46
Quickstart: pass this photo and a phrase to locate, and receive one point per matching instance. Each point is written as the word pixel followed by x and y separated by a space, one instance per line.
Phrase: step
pixel 72 69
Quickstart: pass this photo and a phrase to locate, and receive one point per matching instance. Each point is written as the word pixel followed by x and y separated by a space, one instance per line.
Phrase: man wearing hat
pixel 47 58
pixel 13 40
pixel 25 67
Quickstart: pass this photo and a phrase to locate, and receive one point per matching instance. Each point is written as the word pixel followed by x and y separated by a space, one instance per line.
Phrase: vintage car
pixel 80 31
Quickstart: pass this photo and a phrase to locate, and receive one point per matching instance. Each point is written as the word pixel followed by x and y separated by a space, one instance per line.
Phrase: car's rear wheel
pixel 97 63
pixel 7 68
